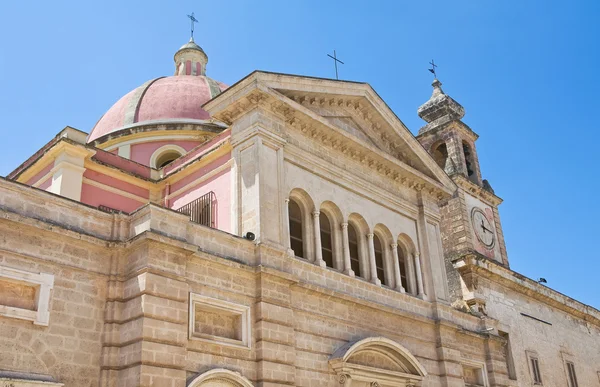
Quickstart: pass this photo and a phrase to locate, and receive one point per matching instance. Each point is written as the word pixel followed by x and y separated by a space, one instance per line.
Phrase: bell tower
pixel 470 219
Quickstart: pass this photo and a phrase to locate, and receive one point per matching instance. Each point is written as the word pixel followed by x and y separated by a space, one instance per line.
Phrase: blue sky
pixel 523 70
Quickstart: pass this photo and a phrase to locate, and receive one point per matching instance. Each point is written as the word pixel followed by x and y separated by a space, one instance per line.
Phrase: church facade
pixel 282 231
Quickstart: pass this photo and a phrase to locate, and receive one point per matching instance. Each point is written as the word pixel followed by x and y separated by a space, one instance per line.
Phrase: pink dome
pixel 162 99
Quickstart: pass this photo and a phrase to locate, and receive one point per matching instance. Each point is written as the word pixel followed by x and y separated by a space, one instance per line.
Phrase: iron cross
pixel 432 69
pixel 192 20
pixel 335 60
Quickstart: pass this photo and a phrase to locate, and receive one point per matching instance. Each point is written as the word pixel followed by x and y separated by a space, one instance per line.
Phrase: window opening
pixel 296 229
pixel 353 246
pixel 167 158
pixel 572 375
pixel 402 264
pixel 535 370
pixel 326 240
pixel 379 259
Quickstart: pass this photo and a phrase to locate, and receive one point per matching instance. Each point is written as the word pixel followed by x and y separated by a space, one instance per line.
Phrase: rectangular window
pixel 510 364
pixel 535 370
pixel 572 375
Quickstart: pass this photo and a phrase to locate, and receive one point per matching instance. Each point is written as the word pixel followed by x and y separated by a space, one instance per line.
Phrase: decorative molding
pixel 199 302
pixel 153 138
pixel 43 284
pixel 221 374
pixel 320 129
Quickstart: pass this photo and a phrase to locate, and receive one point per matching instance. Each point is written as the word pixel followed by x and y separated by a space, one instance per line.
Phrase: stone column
pixel 317 229
pixel 372 264
pixel 396 263
pixel 286 225
pixel 346 249
pixel 419 275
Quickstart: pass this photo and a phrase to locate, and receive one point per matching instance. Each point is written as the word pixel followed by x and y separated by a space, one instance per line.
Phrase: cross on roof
pixel 335 60
pixel 192 21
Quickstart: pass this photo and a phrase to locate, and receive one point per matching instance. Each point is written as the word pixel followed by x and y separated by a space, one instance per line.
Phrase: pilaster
pixel 259 198
pixel 67 174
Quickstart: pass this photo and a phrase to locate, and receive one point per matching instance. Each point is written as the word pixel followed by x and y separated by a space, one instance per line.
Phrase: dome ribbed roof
pixel 160 99
pixel 179 97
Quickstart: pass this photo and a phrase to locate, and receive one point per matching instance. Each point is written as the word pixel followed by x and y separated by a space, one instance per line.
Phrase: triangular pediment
pixel 360 117
pixel 347 123
pixel 344 112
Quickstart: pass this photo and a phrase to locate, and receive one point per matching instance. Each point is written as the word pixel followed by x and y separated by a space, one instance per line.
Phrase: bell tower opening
pixel 469 161
pixel 439 151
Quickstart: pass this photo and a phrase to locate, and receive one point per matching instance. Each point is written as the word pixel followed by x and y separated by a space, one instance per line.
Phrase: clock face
pixel 483 228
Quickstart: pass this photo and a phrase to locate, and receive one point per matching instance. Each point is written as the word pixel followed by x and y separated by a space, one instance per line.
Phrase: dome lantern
pixel 190 59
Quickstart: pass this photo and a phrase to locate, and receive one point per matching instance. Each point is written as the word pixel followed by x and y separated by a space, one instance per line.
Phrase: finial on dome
pixel 191 59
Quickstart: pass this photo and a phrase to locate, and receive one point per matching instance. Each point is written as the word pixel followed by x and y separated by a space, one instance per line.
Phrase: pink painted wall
pixel 220 184
pixel 116 183
pixel 45 185
pixel 122 164
pixel 95 196
pixel 141 153
pixel 198 151
pixel 41 174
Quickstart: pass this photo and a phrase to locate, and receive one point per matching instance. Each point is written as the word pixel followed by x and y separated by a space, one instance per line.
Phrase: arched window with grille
pixel 296 229
pixel 326 239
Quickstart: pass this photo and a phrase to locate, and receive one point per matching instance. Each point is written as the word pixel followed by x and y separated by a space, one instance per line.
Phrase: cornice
pixel 64 145
pixel 447 124
pixel 470 263
pixel 475 190
pixel 298 117
pixel 298 157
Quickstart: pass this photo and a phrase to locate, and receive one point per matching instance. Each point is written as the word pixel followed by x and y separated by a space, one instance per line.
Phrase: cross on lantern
pixel 192 21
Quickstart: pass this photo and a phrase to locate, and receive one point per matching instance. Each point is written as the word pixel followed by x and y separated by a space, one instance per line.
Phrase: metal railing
pixel 201 210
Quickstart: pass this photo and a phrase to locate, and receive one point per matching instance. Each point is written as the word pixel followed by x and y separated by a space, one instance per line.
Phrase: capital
pixel 370 236
pixel 316 214
pixel 344 226
pixel 286 200
pixel 394 246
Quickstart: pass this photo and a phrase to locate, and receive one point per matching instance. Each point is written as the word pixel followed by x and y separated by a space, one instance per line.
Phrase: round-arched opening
pixel 326 239
pixel 379 259
pixel 167 158
pixel 353 244
pixel 165 155
pixel 296 228
pixel 440 154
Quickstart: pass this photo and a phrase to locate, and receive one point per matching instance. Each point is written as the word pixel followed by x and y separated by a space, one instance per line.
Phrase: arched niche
pixel 376 361
pixel 220 377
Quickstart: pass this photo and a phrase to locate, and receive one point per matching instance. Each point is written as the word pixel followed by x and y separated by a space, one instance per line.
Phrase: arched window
pixel 296 229
pixel 469 161
pixel 402 262
pixel 167 158
pixel 440 154
pixel 165 155
pixel 379 259
pixel 326 240
pixel 353 247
